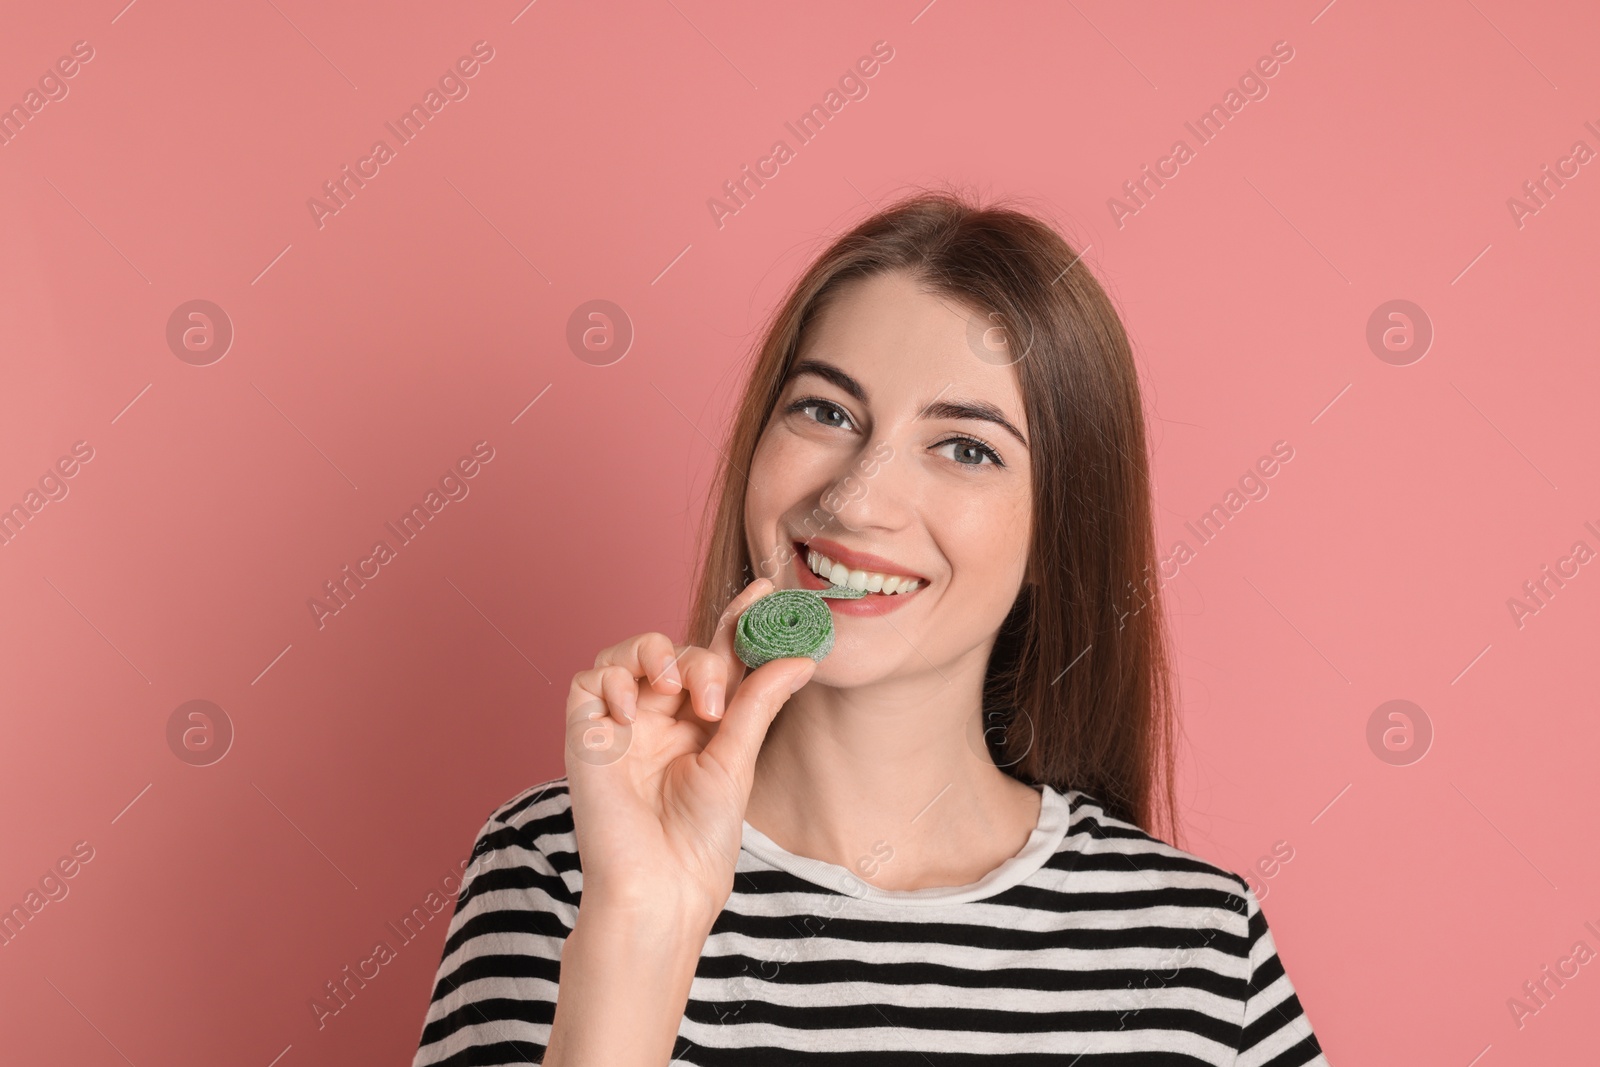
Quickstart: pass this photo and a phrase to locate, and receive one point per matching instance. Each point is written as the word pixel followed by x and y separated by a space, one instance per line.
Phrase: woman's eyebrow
pixel 981 410
pixel 972 409
pixel 833 374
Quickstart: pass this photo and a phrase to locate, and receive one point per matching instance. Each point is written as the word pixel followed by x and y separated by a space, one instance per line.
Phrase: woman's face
pixel 889 452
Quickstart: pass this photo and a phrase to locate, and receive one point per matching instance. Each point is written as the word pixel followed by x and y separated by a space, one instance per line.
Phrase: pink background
pixel 372 353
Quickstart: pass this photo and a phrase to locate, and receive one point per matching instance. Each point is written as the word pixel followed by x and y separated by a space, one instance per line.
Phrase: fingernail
pixel 799 683
pixel 714 702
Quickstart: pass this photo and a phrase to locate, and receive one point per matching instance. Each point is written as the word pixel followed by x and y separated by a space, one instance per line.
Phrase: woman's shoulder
pixel 1113 850
pixel 548 803
pixel 536 823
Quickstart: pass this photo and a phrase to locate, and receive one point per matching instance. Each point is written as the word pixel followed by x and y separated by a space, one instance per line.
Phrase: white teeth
pixel 871 581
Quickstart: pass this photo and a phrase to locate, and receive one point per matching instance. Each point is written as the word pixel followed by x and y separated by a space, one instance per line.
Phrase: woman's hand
pixel 659 776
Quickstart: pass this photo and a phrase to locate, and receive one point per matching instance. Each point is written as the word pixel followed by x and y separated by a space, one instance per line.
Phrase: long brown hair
pixel 1078 692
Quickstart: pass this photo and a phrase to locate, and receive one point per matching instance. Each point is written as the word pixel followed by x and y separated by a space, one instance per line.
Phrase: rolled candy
pixel 788 622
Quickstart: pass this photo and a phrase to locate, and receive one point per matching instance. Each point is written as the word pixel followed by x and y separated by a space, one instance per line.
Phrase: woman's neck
pixel 892 782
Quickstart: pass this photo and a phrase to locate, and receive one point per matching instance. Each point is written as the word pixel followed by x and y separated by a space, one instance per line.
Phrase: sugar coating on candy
pixel 787 623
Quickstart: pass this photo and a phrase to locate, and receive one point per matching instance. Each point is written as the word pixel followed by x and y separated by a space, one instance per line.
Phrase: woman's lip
pixel 871 605
pixel 856 561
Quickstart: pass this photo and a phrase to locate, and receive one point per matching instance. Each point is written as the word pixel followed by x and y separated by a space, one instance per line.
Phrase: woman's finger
pixel 585 694
pixel 651 656
pixel 705 676
pixel 620 690
pixel 737 742
pixel 660 658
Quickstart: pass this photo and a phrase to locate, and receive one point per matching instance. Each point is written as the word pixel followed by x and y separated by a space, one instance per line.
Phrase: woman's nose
pixel 868 492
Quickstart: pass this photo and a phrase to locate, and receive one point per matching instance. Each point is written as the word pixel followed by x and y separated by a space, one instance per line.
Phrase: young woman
pixel 946 847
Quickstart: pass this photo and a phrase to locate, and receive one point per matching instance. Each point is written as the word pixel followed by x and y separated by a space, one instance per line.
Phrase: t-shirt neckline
pixel 1055 817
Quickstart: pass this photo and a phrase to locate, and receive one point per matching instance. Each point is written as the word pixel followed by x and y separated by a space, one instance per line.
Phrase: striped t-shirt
pixel 1096 944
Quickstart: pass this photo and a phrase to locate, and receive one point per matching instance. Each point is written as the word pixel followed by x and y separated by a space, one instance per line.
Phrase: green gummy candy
pixel 788 622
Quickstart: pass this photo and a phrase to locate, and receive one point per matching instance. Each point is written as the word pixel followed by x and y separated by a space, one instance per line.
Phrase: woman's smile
pixel 887 589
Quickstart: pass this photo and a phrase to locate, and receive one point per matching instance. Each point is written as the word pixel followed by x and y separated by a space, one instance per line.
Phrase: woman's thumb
pixel 755 704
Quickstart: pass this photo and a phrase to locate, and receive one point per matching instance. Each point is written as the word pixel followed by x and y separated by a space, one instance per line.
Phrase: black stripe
pixel 934 1021
pixel 556 787
pixel 495 966
pixel 498 1053
pixel 686 1052
pixel 757 972
pixel 507 921
pixel 487 1013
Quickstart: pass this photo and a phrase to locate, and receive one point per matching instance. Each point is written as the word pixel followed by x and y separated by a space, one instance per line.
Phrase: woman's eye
pixel 831 414
pixel 970 453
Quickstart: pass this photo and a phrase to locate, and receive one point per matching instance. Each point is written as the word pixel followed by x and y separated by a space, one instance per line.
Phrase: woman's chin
pixel 846 668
